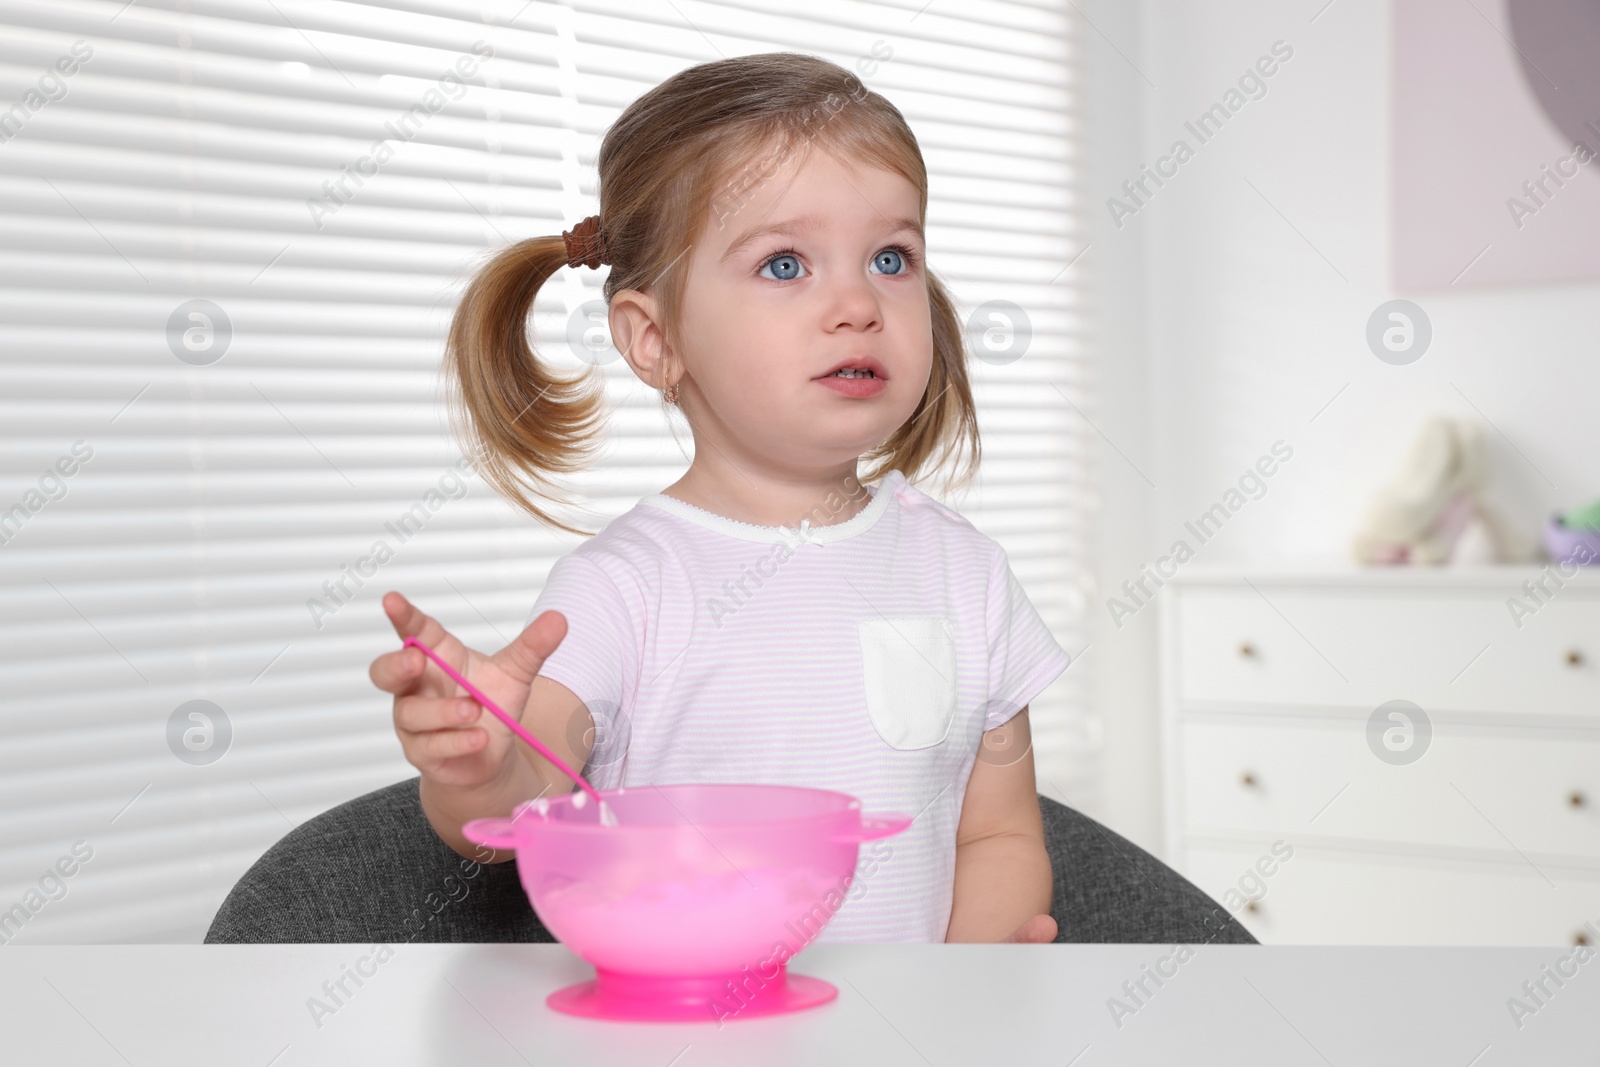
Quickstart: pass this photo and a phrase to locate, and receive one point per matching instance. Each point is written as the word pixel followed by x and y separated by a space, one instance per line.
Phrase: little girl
pixel 768 617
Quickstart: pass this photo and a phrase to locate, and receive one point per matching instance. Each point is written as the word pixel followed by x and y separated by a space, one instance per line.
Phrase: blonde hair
pixel 682 149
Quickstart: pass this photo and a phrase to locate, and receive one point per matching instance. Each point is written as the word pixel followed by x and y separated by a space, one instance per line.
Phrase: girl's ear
pixel 636 331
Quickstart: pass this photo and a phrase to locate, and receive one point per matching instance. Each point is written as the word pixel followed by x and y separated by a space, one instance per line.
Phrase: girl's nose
pixel 855 302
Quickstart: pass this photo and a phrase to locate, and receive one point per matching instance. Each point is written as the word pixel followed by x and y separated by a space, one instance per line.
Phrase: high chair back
pixel 372 871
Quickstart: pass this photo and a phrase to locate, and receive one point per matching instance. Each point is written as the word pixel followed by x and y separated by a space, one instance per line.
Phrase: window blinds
pixel 233 236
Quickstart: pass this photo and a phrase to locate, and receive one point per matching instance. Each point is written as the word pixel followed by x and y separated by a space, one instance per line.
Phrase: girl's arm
pixel 1003 879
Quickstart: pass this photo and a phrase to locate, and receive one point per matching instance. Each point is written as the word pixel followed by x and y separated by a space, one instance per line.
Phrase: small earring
pixel 670 394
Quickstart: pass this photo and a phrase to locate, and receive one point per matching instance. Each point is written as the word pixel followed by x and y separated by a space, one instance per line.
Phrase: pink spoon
pixel 516 727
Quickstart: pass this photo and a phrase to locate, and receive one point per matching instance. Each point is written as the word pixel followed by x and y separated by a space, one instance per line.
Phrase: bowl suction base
pixel 610 995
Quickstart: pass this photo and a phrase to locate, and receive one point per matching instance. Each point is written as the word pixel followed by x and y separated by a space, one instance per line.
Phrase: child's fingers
pixel 405 670
pixel 409 620
pixel 526 653
pixel 398 672
pixel 430 748
pixel 415 714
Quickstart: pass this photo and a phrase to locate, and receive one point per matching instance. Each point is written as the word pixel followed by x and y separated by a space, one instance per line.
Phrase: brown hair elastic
pixel 586 245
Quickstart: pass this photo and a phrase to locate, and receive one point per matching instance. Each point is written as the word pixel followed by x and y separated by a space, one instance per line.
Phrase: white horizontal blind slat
pixel 178 562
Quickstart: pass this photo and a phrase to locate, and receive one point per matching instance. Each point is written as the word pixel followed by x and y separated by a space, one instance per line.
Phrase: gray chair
pixel 372 871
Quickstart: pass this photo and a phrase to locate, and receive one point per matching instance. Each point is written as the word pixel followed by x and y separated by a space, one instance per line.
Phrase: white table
pixel 898 1004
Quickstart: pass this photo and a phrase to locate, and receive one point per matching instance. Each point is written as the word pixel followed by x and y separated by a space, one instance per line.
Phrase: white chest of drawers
pixel 1469 816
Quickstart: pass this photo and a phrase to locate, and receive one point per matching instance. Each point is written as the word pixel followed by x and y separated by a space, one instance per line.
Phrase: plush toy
pixel 1434 510
pixel 1587 518
pixel 1575 536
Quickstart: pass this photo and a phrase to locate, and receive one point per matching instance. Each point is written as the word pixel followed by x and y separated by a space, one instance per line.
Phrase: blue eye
pixel 904 255
pixel 786 264
pixel 888 259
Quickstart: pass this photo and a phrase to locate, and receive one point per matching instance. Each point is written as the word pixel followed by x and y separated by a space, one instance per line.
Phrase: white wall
pixel 1122 660
pixel 1224 329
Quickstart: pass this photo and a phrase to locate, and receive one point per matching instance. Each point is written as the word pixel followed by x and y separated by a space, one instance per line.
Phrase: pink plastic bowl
pixel 691 906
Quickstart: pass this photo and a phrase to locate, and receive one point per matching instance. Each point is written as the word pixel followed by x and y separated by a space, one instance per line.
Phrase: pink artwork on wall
pixel 1496 143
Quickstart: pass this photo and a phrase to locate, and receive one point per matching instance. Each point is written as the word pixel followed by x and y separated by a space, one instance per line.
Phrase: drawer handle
pixel 1248 779
pixel 1574 658
pixel 1247 650
pixel 1580 939
pixel 1576 798
pixel 1251 906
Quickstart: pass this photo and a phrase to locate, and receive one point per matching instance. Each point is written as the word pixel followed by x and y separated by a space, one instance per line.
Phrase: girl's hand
pixel 1039 930
pixel 446 734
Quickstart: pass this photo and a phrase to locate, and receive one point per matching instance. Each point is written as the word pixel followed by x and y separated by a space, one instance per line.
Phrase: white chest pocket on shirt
pixel 909 667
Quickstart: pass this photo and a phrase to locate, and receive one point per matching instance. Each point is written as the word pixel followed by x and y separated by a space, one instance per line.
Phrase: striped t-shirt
pixel 866 656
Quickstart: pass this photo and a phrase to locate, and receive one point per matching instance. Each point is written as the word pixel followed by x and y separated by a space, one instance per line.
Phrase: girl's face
pixel 817 268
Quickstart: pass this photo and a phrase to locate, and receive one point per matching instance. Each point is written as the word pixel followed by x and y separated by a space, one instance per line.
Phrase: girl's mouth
pixel 862 365
pixel 853 383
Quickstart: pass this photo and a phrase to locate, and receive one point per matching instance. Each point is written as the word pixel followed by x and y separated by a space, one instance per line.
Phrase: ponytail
pixel 507 407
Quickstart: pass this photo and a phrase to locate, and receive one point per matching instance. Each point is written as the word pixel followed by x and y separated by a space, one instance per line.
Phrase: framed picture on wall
pixel 1496 143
